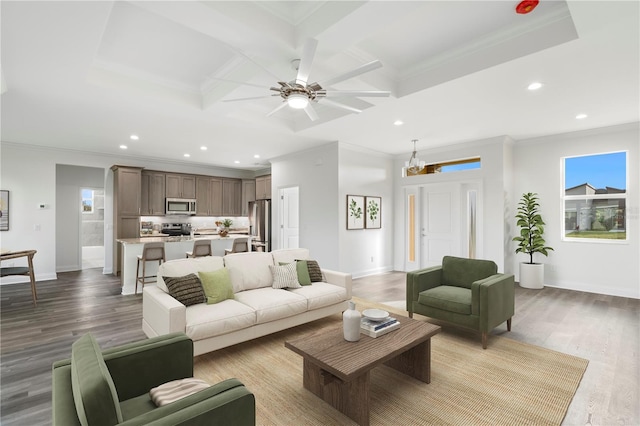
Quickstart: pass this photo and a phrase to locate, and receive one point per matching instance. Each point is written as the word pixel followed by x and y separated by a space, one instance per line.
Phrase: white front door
pixel 289 224
pixel 440 223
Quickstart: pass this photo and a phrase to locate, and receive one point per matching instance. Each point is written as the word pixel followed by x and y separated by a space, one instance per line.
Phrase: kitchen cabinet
pixel 248 195
pixel 231 197
pixel 263 187
pixel 127 200
pixel 127 188
pixel 180 186
pixel 153 193
pixel 208 196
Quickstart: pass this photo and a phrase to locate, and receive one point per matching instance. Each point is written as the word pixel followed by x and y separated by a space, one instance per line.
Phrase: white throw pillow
pixel 285 276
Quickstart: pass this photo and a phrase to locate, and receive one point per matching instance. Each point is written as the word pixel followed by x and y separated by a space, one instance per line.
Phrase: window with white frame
pixel 595 197
pixel 87 201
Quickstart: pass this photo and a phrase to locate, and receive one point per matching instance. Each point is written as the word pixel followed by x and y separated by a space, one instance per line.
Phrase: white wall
pixel 362 172
pixel 315 173
pixel 512 168
pixel 608 268
pixel 325 176
pixel 29 173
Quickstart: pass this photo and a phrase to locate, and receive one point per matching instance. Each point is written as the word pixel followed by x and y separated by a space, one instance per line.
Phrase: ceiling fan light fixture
pixel 298 100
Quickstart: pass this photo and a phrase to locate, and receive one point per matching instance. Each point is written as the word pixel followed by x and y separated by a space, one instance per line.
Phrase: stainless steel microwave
pixel 185 206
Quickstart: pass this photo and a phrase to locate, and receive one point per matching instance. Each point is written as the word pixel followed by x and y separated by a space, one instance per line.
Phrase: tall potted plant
pixel 531 240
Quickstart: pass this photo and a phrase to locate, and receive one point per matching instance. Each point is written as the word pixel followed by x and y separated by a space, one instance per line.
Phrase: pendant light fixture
pixel 414 166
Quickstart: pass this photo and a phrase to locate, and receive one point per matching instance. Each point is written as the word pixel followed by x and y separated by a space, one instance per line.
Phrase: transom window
pixel 595 197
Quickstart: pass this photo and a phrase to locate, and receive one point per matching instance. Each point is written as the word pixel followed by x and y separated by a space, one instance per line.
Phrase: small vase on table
pixel 351 323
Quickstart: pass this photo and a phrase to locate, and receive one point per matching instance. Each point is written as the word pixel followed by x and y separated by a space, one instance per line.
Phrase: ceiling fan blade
pixel 248 99
pixel 278 108
pixel 353 73
pixel 311 112
pixel 339 105
pixel 304 67
pixel 357 93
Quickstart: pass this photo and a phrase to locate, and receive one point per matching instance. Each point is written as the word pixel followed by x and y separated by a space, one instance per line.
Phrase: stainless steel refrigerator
pixel 260 223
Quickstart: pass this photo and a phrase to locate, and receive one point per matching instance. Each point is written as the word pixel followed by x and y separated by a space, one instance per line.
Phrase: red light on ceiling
pixel 526 6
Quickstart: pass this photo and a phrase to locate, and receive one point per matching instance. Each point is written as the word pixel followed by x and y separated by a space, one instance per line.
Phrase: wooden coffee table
pixel 338 371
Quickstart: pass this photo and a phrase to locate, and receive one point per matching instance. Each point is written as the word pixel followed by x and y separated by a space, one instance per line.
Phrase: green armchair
pixel 466 292
pixel 112 387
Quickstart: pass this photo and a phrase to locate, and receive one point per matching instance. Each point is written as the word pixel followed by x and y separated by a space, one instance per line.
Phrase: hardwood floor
pixel 603 329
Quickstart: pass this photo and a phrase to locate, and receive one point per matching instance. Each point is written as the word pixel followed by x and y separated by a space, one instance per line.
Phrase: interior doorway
pixel 92 227
pixel 440 220
pixel 289 217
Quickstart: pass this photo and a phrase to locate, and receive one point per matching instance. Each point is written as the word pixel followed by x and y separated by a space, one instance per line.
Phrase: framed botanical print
pixel 4 210
pixel 355 212
pixel 373 211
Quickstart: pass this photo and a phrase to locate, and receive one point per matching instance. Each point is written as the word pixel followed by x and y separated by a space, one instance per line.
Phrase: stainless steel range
pixel 176 229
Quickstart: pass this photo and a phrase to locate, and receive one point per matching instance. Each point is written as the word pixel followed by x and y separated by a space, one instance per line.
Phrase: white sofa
pixel 257 308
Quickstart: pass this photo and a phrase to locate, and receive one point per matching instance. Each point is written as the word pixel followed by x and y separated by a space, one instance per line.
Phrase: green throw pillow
pixel 302 270
pixel 217 285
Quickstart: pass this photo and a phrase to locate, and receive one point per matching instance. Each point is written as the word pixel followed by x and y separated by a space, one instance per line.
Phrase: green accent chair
pixel 466 292
pixel 112 387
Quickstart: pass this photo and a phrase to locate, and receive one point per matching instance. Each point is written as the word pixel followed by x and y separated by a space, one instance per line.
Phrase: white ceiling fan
pixel 300 94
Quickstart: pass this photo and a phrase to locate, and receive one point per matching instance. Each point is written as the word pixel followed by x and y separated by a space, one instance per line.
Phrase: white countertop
pixel 167 239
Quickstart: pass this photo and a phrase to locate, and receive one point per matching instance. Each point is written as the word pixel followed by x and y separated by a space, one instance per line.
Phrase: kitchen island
pixel 174 248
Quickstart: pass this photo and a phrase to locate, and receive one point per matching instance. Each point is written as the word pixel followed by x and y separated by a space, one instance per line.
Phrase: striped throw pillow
pixel 285 276
pixel 175 390
pixel 315 273
pixel 186 290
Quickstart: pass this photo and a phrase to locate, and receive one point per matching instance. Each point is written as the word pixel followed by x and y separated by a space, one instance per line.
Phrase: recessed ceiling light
pixel 123 147
pixel 236 162
pixel 256 156
pixel 398 123
pixel 187 155
pixel 204 148
pixel 534 86
pixel 134 137
pixel 581 116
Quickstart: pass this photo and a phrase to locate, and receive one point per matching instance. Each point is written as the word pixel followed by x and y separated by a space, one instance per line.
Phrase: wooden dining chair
pixel 22 270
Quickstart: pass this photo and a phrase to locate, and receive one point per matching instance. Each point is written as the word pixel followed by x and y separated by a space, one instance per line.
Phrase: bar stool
pixel 240 245
pixel 200 248
pixel 150 252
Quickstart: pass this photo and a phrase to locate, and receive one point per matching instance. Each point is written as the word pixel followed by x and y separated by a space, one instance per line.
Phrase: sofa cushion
pixel 182 267
pixel 93 390
pixel 447 298
pixel 321 294
pixel 249 270
pixel 216 285
pixel 203 321
pixel 461 272
pixel 285 276
pixel 186 290
pixel 272 304
pixel 289 255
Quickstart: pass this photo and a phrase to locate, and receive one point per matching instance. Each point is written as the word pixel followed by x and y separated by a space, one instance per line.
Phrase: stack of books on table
pixel 378 328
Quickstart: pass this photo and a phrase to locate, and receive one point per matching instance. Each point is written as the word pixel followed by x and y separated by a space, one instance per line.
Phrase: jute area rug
pixel 509 383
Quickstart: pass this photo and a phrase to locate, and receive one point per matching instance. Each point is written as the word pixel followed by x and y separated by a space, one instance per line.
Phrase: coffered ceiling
pixel 87 75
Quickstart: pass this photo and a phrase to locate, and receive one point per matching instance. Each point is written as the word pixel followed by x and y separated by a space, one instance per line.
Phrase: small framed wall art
pixel 4 210
pixel 355 211
pixel 373 211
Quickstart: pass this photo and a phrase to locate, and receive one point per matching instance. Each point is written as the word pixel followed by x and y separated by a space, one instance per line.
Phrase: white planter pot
pixel 532 275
